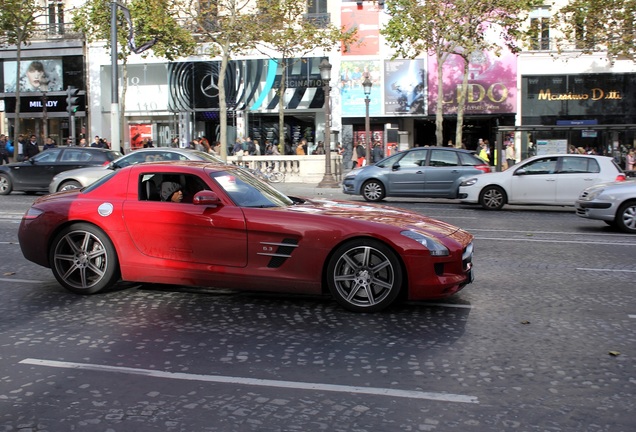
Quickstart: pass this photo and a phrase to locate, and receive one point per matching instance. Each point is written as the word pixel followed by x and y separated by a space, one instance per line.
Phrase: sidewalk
pixel 311 190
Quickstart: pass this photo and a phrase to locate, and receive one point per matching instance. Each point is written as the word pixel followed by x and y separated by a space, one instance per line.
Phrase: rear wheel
pixel 5 185
pixel 68 185
pixel 364 275
pixel 626 217
pixel 373 190
pixel 492 198
pixel 83 259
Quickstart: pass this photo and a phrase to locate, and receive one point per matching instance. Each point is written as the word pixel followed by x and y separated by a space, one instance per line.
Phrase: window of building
pixel 540 27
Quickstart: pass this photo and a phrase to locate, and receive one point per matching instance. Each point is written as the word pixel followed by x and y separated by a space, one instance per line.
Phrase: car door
pixel 408 175
pixel 185 232
pixel 37 172
pixel 575 174
pixel 442 171
pixel 534 182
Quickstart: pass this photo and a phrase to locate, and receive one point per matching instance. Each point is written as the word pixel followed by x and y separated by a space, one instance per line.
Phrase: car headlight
pixel 589 196
pixel 469 182
pixel 352 174
pixel 434 247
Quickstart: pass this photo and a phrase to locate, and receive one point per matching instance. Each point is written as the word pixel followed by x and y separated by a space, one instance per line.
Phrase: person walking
pixel 31 148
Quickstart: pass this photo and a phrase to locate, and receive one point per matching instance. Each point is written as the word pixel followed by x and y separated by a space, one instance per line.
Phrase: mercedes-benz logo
pixel 209 85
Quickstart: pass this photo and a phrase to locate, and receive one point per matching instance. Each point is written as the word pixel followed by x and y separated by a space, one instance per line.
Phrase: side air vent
pixel 283 250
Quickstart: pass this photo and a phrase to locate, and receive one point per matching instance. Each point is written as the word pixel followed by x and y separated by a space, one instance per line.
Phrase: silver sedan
pixel 81 177
pixel 613 203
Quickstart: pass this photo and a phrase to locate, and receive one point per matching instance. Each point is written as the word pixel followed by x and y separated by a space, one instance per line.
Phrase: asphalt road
pixel 543 340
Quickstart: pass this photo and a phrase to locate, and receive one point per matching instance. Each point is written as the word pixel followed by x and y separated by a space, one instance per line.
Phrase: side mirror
pixel 206 198
pixel 396 166
pixel 520 171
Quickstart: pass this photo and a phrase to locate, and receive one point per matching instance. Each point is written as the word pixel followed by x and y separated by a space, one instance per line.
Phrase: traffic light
pixel 72 100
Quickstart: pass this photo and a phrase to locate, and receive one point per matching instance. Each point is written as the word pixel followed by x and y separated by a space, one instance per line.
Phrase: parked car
pixel 421 172
pixel 544 180
pixel 231 230
pixel 35 174
pixel 613 203
pixel 84 176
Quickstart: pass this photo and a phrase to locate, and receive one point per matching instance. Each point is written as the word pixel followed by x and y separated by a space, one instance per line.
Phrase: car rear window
pixel 470 160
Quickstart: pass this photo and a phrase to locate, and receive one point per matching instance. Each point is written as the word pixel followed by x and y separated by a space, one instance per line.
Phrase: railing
pixel 55 31
pixel 297 169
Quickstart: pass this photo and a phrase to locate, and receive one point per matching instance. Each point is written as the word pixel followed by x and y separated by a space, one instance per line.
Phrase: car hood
pixel 614 185
pixel 374 213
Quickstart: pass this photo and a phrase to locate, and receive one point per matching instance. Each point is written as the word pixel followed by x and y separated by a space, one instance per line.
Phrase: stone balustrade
pixel 297 169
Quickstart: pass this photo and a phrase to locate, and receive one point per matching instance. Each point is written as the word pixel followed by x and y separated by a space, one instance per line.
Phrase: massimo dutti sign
pixel 579 95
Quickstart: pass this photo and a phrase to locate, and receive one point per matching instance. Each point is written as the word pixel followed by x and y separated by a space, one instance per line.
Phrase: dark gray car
pixel 426 172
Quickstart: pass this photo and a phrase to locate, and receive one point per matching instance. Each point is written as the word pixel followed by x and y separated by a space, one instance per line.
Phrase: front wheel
pixel 373 190
pixel 364 275
pixel 83 259
pixel 5 185
pixel 492 198
pixel 626 217
pixel 68 185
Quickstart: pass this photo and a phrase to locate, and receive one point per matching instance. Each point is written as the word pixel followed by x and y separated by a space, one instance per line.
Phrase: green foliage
pixel 152 20
pixel 598 26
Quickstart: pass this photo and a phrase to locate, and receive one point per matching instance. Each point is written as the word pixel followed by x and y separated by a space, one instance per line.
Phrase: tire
pixel 364 275
pixel 492 198
pixel 276 177
pixel 626 217
pixel 83 259
pixel 373 190
pixel 6 186
pixel 69 185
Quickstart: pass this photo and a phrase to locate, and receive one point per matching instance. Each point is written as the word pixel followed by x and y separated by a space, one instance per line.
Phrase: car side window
pixel 414 159
pixel 73 155
pixel 541 166
pixel 47 156
pixel 577 165
pixel 442 158
pixel 150 186
pixel 467 159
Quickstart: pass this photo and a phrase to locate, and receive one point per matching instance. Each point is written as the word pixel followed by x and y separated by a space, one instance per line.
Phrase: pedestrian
pixel 483 153
pixel 361 154
pixel 31 148
pixel 510 154
pixel 630 161
pixel 377 154
pixel 4 152
pixel 49 143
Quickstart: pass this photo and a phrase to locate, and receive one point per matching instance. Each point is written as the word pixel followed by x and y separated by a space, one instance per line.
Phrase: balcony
pixel 54 32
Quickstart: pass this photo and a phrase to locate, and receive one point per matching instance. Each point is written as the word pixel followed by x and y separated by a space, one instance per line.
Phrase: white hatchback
pixel 543 180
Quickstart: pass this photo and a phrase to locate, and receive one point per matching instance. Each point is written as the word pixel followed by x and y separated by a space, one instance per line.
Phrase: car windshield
pixel 98 183
pixel 248 191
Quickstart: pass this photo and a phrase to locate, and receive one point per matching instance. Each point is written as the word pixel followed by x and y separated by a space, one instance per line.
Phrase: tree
pixel 18 23
pixel 459 28
pixel 144 26
pixel 228 28
pixel 289 37
pixel 598 26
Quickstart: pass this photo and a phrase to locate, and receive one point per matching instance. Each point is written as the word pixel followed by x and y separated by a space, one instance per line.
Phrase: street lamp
pixel 44 87
pixel 328 180
pixel 366 85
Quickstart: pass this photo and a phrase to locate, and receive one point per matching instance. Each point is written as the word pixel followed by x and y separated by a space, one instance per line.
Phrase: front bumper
pixel 599 210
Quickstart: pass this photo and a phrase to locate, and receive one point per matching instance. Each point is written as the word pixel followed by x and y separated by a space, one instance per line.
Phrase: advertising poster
pixel 405 87
pixel 548 147
pixel 352 74
pixel 139 132
pixel 492 83
pixel 35 76
pixel 367 20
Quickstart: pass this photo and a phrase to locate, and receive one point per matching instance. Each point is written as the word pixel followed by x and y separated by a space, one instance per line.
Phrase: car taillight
pixel 621 177
pixel 483 167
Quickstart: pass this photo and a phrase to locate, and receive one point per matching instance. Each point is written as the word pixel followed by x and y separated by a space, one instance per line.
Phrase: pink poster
pixel 366 19
pixel 139 133
pixel 492 83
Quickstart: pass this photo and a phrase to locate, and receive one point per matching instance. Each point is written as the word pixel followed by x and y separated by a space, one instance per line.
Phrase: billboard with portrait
pixel 36 75
pixel 352 74
pixel 405 87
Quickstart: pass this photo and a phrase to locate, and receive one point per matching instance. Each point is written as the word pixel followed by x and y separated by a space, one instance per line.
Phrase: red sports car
pixel 205 224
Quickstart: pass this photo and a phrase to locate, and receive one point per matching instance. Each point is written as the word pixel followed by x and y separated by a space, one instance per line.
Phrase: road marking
pixel 548 232
pixel 376 391
pixel 518 239
pixel 449 305
pixel 632 316
pixel 21 280
pixel 605 270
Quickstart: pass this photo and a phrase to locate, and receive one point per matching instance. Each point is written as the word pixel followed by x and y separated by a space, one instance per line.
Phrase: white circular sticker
pixel 105 209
